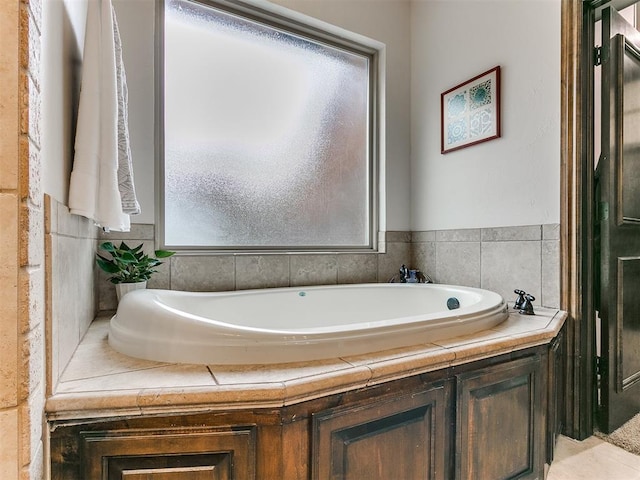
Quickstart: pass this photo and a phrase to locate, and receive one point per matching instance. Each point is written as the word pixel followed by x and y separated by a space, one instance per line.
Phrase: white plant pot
pixel 123 288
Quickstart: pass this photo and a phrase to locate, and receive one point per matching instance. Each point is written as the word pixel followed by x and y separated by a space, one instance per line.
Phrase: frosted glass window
pixel 267 135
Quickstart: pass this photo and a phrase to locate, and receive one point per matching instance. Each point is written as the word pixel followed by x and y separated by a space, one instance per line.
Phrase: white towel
pixel 126 185
pixel 94 189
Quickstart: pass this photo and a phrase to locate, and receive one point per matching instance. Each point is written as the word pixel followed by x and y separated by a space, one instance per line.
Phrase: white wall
pixel 510 181
pixel 62 44
pixel 136 22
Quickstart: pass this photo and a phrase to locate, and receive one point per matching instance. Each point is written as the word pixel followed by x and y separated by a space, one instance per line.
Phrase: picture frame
pixel 470 112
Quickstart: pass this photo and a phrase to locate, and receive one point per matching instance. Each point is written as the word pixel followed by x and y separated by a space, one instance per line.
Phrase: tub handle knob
pixel 527 307
pixel 520 300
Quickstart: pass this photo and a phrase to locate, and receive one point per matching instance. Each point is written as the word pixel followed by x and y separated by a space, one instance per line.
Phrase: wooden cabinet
pixel 168 454
pixel 481 420
pixel 501 420
pixel 556 392
pixel 403 437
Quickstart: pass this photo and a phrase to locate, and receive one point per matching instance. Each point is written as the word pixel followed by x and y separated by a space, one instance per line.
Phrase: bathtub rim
pixel 492 302
pixel 256 347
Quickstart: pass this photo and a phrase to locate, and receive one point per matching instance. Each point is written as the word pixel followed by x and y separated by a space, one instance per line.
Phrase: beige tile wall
pixel 497 259
pixel 22 290
pixel 71 243
pixel 238 272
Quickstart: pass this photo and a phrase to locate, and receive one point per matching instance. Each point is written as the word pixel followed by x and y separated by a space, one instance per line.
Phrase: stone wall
pixel 22 262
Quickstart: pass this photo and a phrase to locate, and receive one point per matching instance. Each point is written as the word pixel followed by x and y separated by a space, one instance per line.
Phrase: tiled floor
pixel 592 459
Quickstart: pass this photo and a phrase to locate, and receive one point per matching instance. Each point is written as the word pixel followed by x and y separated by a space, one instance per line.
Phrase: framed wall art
pixel 470 112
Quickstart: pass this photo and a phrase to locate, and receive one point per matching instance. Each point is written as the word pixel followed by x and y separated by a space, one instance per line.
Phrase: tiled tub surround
pixel 496 259
pixel 220 272
pixel 70 247
pixel 101 383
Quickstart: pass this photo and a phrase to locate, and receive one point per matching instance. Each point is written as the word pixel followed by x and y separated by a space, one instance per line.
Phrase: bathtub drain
pixel 453 303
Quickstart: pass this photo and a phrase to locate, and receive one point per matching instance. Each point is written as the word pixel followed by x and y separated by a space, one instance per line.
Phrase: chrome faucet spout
pixel 406 275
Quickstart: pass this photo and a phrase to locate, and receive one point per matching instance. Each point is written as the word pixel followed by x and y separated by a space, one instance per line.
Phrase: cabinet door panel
pixel 501 422
pixel 555 393
pixel 191 454
pixel 403 437
pixel 188 473
pixel 168 467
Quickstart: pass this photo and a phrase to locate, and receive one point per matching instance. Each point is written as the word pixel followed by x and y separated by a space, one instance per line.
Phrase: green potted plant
pixel 130 268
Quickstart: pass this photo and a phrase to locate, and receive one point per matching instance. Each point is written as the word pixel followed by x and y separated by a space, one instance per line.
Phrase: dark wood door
pixel 619 221
pixel 501 422
pixel 406 437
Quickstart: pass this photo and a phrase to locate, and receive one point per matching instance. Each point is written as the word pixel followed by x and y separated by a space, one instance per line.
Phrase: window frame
pixel 317 31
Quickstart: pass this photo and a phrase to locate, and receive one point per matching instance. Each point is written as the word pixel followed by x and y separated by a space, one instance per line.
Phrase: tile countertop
pixel 100 382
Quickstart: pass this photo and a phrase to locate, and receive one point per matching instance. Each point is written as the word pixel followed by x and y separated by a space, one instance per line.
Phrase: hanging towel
pixel 126 186
pixel 94 191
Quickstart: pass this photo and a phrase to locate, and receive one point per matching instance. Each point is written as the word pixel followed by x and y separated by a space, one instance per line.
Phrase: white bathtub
pixel 295 324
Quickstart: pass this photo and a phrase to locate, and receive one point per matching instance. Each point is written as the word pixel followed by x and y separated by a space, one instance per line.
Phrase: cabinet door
pixel 556 393
pixel 403 437
pixel 501 422
pixel 194 454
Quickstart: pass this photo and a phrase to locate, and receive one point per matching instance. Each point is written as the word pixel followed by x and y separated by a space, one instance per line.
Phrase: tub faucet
pixel 410 276
pixel 404 274
pixel 527 306
pixel 520 300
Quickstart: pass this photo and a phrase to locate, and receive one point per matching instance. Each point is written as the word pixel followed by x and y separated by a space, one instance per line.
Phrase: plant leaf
pixel 163 253
pixel 108 246
pixel 128 257
pixel 107 265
